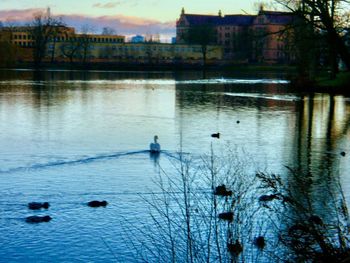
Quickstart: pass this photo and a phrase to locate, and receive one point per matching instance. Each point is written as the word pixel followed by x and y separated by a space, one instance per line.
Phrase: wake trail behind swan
pixel 72 162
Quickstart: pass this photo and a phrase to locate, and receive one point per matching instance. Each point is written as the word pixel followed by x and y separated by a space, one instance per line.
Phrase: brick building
pixel 261 38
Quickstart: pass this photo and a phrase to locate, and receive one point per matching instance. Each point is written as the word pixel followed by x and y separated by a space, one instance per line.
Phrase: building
pixel 143 53
pixel 67 46
pixel 137 39
pixel 244 38
pixel 25 36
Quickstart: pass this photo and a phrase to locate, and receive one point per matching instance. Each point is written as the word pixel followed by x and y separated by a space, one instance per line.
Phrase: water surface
pixel 68 137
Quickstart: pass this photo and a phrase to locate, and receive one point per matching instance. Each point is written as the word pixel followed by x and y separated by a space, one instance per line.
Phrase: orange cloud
pixel 19 15
pixel 115 4
pixel 107 5
pixel 125 25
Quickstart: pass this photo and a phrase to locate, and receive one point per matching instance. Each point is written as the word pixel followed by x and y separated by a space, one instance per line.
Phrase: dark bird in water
pixel 267 198
pixel 342 153
pixel 155 147
pixel 222 191
pixel 237 122
pixel 37 205
pixel 315 220
pixel 38 219
pixel 228 216
pixel 260 242
pixel 235 248
pixel 97 203
pixel 216 135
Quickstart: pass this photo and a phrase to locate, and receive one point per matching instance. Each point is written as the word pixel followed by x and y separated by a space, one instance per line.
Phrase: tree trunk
pixel 342 50
pixel 204 55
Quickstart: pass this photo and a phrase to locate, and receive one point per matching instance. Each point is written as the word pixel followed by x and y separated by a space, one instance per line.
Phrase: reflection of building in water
pixel 322 126
pixel 321 131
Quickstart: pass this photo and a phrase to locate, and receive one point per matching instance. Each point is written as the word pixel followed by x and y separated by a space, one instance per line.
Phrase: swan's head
pixel 155 138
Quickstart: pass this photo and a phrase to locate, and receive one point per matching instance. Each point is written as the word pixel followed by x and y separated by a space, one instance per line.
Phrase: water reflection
pixel 63 116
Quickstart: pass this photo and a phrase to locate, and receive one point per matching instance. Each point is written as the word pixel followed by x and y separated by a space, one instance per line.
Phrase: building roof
pixel 195 20
pixel 239 20
pixel 274 17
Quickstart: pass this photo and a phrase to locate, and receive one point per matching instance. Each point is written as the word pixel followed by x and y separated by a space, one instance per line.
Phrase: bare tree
pixel 85 43
pixel 43 27
pixel 71 48
pixel 203 35
pixel 327 16
pixel 108 31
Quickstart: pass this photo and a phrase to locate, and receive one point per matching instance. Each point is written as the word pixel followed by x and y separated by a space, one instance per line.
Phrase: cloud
pixel 19 15
pixel 114 4
pixel 124 25
pixel 107 5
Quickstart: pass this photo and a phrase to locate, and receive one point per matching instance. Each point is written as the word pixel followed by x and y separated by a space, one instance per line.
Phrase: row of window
pixel 145 58
pixel 227 28
pixel 21 36
pixel 63 39
pixel 150 48
pixel 24 43
pixel 89 39
pixel 127 48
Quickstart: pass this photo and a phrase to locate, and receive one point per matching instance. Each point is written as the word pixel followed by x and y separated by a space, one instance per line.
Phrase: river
pixel 69 137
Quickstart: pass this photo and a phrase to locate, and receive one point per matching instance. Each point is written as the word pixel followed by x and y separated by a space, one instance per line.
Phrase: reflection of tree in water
pixel 258 217
pixel 318 218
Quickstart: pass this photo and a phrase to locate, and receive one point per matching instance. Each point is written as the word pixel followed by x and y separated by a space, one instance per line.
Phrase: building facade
pixel 259 38
pixel 68 46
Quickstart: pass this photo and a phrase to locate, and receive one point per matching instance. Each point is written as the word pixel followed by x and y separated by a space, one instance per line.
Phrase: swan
pixel 155 147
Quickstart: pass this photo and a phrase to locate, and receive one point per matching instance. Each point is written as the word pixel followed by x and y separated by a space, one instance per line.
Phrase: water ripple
pixel 72 162
pixel 213 81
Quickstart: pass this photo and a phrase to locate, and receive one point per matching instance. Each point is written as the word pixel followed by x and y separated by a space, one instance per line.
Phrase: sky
pixel 127 17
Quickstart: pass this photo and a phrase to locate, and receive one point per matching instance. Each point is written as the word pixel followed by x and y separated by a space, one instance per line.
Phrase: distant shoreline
pixel 158 67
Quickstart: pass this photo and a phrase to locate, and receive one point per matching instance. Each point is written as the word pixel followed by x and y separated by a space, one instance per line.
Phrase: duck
pixel 37 205
pixel 38 219
pixel 97 203
pixel 155 147
pixel 216 135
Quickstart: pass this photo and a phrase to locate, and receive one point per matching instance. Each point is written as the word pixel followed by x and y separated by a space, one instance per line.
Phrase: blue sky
pixel 125 16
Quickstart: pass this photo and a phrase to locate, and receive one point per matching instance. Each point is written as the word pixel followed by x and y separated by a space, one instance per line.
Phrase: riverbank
pixel 160 67
pixel 342 81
